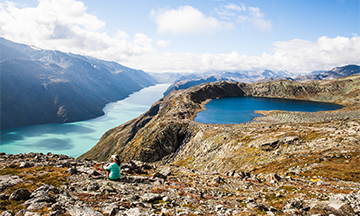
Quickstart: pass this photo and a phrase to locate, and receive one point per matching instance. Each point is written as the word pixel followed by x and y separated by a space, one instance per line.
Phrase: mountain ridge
pixel 45 86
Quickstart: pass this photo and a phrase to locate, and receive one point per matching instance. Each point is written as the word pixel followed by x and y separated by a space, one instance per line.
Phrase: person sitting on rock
pixel 113 169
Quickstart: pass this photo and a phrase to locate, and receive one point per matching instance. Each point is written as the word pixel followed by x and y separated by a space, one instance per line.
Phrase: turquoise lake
pixel 76 138
pixel 236 110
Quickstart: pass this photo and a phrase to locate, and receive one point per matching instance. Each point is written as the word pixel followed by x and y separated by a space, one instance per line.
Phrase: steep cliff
pixel 167 132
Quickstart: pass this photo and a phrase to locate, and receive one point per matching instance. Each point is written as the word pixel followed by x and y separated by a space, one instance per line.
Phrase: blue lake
pixel 76 138
pixel 236 110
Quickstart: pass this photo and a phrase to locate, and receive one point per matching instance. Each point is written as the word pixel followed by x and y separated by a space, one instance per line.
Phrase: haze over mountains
pixel 44 86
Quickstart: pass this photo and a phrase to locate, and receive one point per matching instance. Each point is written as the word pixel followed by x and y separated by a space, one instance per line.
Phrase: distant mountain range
pixel 335 73
pixel 188 80
pixel 261 76
pixel 45 86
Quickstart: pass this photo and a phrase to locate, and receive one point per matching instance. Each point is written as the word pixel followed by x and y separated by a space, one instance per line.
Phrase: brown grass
pixel 340 167
pixel 158 190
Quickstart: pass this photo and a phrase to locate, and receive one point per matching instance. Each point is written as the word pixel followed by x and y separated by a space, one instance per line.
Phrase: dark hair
pixel 117 160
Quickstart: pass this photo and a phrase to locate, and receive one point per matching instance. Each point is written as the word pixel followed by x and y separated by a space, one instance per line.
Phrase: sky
pixel 299 36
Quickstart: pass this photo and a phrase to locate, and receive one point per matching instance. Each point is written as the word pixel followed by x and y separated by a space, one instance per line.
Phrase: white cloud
pixel 322 54
pixel 121 35
pixel 296 55
pixel 163 43
pixel 65 25
pixel 186 20
pixel 51 26
pixel 242 14
pixel 257 19
pixel 235 7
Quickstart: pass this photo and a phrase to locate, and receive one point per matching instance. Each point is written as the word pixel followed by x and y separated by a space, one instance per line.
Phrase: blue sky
pixel 193 36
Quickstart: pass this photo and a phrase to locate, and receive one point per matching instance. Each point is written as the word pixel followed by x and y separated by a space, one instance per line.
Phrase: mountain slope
pixel 167 132
pixel 45 86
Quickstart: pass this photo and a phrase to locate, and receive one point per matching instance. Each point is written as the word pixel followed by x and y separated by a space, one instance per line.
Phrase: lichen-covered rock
pixel 9 181
pixel 82 211
pixel 149 197
pixel 20 194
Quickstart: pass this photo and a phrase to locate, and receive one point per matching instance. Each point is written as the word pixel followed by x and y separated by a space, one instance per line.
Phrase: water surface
pixel 76 138
pixel 236 110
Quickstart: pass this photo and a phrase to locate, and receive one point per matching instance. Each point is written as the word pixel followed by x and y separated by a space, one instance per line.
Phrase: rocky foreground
pixel 38 184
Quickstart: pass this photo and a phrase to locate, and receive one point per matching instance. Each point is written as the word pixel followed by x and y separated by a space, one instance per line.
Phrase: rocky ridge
pixel 38 184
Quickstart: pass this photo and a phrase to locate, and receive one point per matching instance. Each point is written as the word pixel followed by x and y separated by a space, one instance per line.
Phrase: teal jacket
pixel 114 171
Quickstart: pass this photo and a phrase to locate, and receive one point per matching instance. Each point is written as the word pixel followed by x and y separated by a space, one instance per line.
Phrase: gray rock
pixel 40 197
pixel 243 174
pixel 21 212
pixel 107 189
pixel 82 211
pixel 333 207
pixel 56 207
pixel 4 197
pixel 9 181
pixel 111 209
pixel 25 164
pixel 163 173
pixel 159 175
pixel 288 139
pixel 93 186
pixel 273 178
pixel 72 170
pixel 218 207
pixel 320 183
pixel 32 214
pixel 87 170
pixel 134 212
pixel 65 199
pixel 41 194
pixel 55 213
pixel 218 180
pixel 37 205
pixel 231 173
pixel 20 194
pixel 294 204
pixel 7 213
pixel 149 197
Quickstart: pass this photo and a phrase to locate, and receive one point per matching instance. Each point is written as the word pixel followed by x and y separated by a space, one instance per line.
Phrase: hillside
pixel 44 86
pixel 167 133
